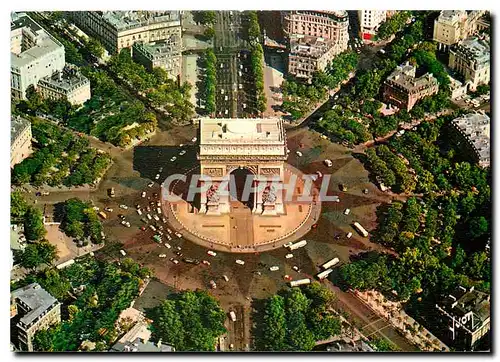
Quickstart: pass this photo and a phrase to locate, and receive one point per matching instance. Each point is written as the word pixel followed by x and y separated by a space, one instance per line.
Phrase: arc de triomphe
pixel 257 145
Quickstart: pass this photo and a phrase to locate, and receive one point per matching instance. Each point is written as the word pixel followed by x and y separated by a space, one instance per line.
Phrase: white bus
pixel 298 245
pixel 324 274
pixel 360 229
pixel 330 263
pixel 296 283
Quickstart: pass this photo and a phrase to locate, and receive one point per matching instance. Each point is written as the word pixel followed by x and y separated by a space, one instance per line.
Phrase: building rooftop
pixel 125 20
pixel 357 346
pixel 17 126
pixel 43 43
pixel 160 49
pixel 476 127
pixel 452 15
pixel 140 345
pixel 67 79
pixel 462 302
pixel 36 299
pixel 474 49
pixel 404 77
pixel 309 46
pixel 338 15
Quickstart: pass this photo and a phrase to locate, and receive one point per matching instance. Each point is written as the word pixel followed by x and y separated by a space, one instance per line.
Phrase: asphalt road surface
pixel 234 81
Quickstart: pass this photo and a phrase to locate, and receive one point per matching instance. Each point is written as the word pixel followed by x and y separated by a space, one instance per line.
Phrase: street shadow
pixel 148 160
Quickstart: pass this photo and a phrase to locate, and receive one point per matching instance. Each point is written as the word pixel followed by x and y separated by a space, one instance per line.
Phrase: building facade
pixel 369 22
pixel 67 84
pixel 403 89
pixel 471 59
pixel 20 140
pixel 166 55
pixel 34 310
pixel 254 146
pixel 309 55
pixel 473 134
pixel 34 54
pixel 451 26
pixel 466 313
pixel 122 29
pixel 329 25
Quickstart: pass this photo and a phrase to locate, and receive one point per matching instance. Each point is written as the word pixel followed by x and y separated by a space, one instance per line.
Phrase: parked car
pixel 240 262
pixel 274 268
pixel 124 207
pixel 211 253
pixel 143 194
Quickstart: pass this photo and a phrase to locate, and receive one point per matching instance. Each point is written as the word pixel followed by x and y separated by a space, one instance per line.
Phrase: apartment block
pixel 122 29
pixel 369 22
pixel 466 313
pixel 34 54
pixel 67 84
pixel 451 26
pixel 166 55
pixel 33 309
pixel 403 89
pixel 472 133
pixel 20 140
pixel 309 55
pixel 471 59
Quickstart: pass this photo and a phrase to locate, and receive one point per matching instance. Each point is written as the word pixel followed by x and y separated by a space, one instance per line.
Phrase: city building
pixel 20 140
pixel 471 59
pixel 403 89
pixel 34 54
pixel 122 29
pixel 67 84
pixel 349 346
pixel 369 22
pixel 466 313
pixel 329 25
pixel 33 309
pixel 309 55
pixel 166 55
pixel 457 88
pixel 473 132
pixel 140 345
pixel 451 26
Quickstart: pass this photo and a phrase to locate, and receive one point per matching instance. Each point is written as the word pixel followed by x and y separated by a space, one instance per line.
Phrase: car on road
pixel 123 252
pixel 161 168
pixel 168 245
pixel 152 227
pixel 298 153
pixel 111 192
pixel 288 256
pixel 151 184
pixel 225 278
pixel 149 217
pixel 319 174
pixel 173 159
pixel 164 220
pixel 343 187
pixel 213 285
pixel 169 231
pixel 125 223
pixel 328 163
pixel 158 204
pixel 179 235
pixel 194 139
pixel 108 209
pixel 191 261
pixel 162 256
pixel 178 248
pixel 211 253
pixel 156 217
pixel 169 237
pixel 287 244
pixel 240 262
pixel 139 212
pixel 175 261
pixel 349 235
pixel 232 315
pixel 179 254
pixel 205 262
pixel 274 268
pixel 158 210
pixel 347 211
pixel 121 216
pixel 124 207
pixel 296 268
pixel 157 176
pixel 143 228
pixel 182 153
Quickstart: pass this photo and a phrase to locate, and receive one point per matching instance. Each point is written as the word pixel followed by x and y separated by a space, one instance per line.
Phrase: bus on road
pixel 296 283
pixel 330 263
pixel 360 229
pixel 324 274
pixel 300 244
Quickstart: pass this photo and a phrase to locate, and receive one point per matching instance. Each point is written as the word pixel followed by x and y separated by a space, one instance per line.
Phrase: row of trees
pixel 80 220
pixel 344 126
pixel 191 321
pixel 441 237
pixel 210 80
pixel 393 25
pixel 60 158
pixel 159 89
pixel 91 311
pixel 299 98
pixel 295 319
pixel 256 60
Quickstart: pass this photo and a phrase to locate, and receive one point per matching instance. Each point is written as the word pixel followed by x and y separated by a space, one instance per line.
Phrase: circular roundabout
pixel 240 230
